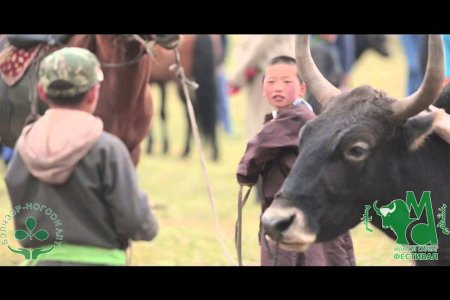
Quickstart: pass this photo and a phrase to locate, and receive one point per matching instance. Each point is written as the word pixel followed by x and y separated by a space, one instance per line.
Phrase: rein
pixel 32 90
pixel 147 49
pixel 238 228
pixel 186 83
pixel 125 64
pixel 273 256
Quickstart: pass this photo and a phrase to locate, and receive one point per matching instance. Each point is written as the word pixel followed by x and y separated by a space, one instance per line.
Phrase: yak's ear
pixel 418 128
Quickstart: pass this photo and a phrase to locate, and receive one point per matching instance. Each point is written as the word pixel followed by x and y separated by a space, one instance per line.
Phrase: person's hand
pixel 440 111
pixel 442 118
pixel 432 109
pixel 441 124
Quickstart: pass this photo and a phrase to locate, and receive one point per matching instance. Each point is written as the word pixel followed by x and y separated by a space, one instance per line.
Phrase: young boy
pixel 271 155
pixel 77 181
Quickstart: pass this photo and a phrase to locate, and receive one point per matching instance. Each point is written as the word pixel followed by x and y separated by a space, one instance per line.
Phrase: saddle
pixel 14 63
pixel 18 77
pixel 25 41
pixel 15 59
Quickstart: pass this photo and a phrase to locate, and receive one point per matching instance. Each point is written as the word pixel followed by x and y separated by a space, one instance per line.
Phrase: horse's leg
pixel 163 115
pixel 150 141
pixel 187 145
pixel 206 94
pixel 215 153
pixel 135 155
pixel 162 88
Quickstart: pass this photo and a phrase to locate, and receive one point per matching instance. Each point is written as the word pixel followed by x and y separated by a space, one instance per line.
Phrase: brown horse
pixel 125 103
pixel 198 54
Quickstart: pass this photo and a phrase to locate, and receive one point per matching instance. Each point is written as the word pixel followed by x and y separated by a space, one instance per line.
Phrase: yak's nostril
pixel 275 227
pixel 284 224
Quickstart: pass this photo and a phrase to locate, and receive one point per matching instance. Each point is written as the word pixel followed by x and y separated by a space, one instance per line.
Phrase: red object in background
pixel 446 81
pixel 250 73
pixel 233 90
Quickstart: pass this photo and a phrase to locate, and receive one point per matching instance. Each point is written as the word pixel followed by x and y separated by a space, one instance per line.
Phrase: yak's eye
pixel 357 152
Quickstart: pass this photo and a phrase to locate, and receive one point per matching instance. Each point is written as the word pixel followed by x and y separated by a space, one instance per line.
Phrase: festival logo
pixel 413 224
pixel 49 236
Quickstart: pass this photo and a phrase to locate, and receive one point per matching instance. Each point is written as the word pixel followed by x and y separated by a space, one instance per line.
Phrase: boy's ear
pixel 418 128
pixel 41 93
pixel 90 96
pixel 93 93
pixel 302 91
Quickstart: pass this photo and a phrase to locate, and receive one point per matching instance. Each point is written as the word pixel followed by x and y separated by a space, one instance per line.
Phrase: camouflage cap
pixel 76 69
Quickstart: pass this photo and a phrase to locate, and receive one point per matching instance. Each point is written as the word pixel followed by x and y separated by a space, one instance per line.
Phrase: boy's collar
pixel 301 101
pixel 298 102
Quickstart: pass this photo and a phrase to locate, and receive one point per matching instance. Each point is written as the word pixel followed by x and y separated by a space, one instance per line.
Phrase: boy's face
pixel 281 86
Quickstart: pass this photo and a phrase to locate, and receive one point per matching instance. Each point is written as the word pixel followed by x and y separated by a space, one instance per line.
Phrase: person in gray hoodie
pixel 72 185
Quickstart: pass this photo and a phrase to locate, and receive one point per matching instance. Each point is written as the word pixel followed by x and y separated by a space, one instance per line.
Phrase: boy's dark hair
pixel 287 60
pixel 65 100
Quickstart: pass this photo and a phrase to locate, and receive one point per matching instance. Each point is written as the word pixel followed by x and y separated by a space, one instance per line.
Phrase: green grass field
pixel 187 234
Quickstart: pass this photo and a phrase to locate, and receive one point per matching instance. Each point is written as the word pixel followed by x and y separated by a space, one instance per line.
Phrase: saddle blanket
pixel 14 62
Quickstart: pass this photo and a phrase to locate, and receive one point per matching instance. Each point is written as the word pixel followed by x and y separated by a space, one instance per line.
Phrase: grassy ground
pixel 187 233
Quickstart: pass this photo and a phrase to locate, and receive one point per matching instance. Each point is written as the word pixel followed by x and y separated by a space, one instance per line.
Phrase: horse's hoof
pixel 166 147
pixel 149 149
pixel 155 206
pixel 215 157
pixel 185 154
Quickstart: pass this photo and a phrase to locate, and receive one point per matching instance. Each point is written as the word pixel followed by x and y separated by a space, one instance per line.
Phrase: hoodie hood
pixel 53 145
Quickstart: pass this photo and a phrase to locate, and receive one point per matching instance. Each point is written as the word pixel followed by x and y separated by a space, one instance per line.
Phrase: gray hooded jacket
pixel 65 162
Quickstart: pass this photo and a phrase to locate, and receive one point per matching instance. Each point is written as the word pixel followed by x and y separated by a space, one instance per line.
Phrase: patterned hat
pixel 69 71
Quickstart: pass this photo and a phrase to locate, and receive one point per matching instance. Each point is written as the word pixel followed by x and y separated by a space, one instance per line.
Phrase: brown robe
pixel 271 155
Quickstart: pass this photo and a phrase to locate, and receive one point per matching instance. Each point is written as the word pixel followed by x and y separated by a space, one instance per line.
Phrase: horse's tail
pixel 206 95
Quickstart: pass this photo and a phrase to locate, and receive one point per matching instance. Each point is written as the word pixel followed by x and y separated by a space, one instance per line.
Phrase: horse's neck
pixel 82 41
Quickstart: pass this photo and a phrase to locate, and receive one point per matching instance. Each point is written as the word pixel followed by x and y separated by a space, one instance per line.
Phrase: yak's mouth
pixel 287 227
pixel 291 246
